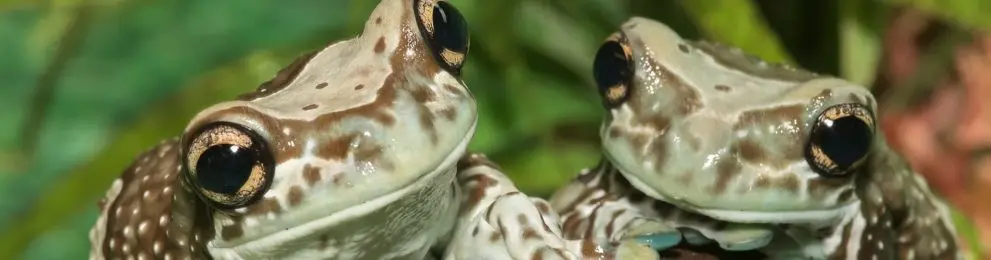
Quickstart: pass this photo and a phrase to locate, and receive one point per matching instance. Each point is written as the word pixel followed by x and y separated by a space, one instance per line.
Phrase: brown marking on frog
pixel 495 237
pixel 735 59
pixel 529 233
pixel 359 87
pixel 337 148
pixel 751 151
pixel 371 152
pixel 311 174
pixel 454 90
pixel 231 232
pixel 727 168
pixel 482 183
pixel 611 227
pixel 822 97
pixel 791 142
pixel 591 250
pixel 322 85
pixel 471 160
pixel 422 95
pixel 263 207
pixel 281 80
pixel 844 196
pixel 788 182
pixel 683 48
pixel 310 107
pixel 380 45
pixel 722 88
pixel 450 113
pixel 295 195
pixel 688 100
pixel 378 20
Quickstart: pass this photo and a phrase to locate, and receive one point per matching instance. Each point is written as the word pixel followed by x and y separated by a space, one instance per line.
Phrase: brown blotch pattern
pixel 281 79
pixel 265 206
pixel 231 232
pixel 733 58
pixel 751 151
pixel 295 195
pixel 310 107
pixel 722 88
pixel 683 48
pixel 726 169
pixel 359 87
pixel 311 174
pixel 322 85
pixel 689 100
pixel 380 45
pixel 788 182
pixel 792 143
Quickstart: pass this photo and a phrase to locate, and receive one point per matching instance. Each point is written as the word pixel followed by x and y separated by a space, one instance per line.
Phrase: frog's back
pixel 143 215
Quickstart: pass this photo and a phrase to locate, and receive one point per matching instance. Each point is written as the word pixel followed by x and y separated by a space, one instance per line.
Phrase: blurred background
pixel 88 84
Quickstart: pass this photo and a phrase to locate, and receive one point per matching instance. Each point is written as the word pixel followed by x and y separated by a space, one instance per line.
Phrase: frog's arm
pixel 500 222
pixel 922 221
pixel 599 205
pixel 147 214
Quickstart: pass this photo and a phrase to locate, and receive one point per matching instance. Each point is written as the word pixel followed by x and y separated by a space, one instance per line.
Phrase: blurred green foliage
pixel 90 84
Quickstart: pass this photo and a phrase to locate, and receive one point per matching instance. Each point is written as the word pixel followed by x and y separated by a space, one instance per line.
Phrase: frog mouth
pixel 265 244
pixel 811 217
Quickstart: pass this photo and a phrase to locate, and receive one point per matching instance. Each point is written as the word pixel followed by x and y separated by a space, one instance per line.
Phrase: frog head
pixel 715 131
pixel 348 147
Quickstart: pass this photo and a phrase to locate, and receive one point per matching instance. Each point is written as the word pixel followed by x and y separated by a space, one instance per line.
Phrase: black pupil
pixel 450 28
pixel 611 66
pixel 845 141
pixel 224 168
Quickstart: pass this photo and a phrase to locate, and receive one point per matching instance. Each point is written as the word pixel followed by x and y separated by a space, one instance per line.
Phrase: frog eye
pixel 446 32
pixel 840 140
pixel 228 164
pixel 613 72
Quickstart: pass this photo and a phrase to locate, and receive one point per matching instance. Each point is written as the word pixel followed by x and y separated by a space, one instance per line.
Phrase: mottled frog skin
pixel 497 221
pixel 348 153
pixel 705 144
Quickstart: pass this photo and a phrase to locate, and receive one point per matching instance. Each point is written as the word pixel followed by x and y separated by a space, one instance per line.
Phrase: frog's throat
pixel 273 240
pixel 813 217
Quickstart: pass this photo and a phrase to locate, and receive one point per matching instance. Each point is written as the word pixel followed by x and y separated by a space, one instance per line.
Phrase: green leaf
pixel 540 171
pixel 83 187
pixel 738 23
pixel 861 23
pixel 969 233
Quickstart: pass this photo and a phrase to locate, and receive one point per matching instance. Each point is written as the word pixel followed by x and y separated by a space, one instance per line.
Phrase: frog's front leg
pixel 597 206
pixel 497 221
pixel 921 221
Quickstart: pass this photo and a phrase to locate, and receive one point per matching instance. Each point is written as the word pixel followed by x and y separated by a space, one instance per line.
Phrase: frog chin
pixel 811 216
pixel 345 226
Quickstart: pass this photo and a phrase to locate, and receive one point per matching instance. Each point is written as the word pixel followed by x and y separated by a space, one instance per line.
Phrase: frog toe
pixel 742 237
pixel 635 250
pixel 654 234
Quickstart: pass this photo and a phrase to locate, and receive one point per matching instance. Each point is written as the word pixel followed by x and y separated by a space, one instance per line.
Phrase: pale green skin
pixel 710 136
pixel 365 134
